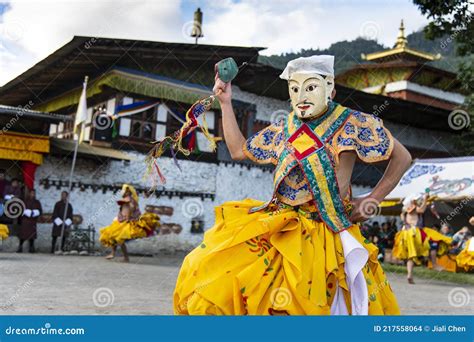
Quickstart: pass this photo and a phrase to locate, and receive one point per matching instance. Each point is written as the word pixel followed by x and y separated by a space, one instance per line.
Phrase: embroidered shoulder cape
pixel 339 129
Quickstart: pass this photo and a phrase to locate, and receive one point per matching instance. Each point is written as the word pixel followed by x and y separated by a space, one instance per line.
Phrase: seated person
pixel 460 239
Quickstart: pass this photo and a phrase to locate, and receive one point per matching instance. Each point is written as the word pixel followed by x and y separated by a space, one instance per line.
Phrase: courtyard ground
pixel 42 284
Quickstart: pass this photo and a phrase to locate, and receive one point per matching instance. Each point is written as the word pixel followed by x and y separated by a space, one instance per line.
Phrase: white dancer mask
pixel 310 84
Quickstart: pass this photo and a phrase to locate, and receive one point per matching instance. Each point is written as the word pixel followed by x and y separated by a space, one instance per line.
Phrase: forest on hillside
pixel 348 53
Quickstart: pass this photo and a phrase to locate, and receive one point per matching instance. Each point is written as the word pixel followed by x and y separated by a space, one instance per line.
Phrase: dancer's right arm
pixel 234 138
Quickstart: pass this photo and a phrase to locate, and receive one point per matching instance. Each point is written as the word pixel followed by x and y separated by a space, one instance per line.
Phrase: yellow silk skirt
pixel 120 232
pixel 4 231
pixel 280 263
pixel 465 259
pixel 414 243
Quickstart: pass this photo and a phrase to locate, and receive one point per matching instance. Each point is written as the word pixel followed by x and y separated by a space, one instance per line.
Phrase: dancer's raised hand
pixel 222 90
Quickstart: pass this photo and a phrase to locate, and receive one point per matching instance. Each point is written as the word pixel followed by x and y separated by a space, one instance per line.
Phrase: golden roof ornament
pixel 401 52
pixel 401 39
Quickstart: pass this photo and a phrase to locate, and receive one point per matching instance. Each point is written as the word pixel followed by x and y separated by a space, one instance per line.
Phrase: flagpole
pixel 71 173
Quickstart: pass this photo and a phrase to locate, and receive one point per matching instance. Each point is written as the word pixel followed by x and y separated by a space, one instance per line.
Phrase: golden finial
pixel 401 39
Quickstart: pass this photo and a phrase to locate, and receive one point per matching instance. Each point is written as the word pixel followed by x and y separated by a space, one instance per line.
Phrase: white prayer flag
pixel 81 114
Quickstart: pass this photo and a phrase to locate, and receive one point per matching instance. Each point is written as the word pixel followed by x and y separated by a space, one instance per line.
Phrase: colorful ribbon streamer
pixel 174 142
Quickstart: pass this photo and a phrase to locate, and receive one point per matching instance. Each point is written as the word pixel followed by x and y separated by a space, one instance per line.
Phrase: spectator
pixel 29 220
pixel 61 227
pixel 364 230
pixel 392 231
pixel 374 232
pixel 446 230
pixel 383 238
pixel 460 239
pixel 3 183
pixel 12 190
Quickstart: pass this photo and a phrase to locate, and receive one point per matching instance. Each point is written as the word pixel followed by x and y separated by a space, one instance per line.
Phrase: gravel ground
pixel 42 284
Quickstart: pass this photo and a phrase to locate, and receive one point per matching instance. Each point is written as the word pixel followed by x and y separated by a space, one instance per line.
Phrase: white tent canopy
pixel 448 179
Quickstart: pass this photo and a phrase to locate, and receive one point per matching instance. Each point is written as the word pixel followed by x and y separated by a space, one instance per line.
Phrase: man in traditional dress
pixel 3 183
pixel 4 231
pixel 302 251
pixel 61 224
pixel 32 212
pixel 12 190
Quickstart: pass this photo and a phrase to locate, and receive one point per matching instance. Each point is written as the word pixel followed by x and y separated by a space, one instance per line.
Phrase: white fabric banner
pixel 447 178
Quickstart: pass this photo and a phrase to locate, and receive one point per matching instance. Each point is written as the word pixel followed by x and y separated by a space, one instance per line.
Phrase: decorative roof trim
pixel 420 89
pixel 400 51
pixel 135 82
pixel 20 111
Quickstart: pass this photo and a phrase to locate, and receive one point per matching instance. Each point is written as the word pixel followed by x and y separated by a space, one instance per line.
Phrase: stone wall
pixel 227 182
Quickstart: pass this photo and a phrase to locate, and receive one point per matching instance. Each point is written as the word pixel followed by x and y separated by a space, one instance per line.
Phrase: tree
pixel 454 20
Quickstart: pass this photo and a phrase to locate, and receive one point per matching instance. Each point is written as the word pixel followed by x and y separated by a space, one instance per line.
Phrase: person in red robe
pixel 12 190
pixel 3 182
pixel 31 214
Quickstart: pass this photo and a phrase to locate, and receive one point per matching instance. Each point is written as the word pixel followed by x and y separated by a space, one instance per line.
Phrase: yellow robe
pixel 120 232
pixel 465 259
pixel 414 243
pixel 279 263
pixel 3 231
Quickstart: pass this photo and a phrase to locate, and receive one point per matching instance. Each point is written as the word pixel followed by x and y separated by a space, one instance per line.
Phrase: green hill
pixel 348 53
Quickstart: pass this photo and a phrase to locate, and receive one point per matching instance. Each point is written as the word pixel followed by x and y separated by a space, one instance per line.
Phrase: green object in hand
pixel 227 69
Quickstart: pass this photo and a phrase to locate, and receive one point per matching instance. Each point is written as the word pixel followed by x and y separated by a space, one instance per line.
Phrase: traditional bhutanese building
pixel 153 84
pixel 405 73
pixel 25 141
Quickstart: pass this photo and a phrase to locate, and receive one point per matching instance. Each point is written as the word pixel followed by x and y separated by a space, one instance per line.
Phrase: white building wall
pixel 265 106
pixel 227 182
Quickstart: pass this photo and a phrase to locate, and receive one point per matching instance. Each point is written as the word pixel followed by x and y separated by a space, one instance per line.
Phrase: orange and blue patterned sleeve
pixel 264 146
pixel 366 135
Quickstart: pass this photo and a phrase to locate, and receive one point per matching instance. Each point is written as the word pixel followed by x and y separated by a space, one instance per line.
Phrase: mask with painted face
pixel 310 94
pixel 310 84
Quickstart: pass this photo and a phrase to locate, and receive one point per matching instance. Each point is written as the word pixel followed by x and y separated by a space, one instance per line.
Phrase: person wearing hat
pixel 128 225
pixel 301 252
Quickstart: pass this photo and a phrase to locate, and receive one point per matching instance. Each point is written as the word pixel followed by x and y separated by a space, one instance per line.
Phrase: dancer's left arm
pixel 399 162
pixel 422 208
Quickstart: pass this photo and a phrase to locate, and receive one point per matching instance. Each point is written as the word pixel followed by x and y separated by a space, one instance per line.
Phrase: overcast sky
pixel 31 30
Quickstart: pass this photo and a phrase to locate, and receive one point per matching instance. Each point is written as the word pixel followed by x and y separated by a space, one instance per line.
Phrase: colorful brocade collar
pixel 305 147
